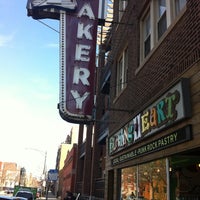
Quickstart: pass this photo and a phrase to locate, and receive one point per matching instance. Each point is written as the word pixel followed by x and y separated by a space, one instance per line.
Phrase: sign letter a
pixel 86 10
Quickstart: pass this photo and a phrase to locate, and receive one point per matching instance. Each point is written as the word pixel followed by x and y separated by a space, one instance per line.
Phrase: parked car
pixel 10 190
pixel 19 198
pixel 5 198
pixel 26 194
pixel 12 198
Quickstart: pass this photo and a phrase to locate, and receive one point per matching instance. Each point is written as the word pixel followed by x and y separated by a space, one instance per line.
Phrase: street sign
pixel 52 175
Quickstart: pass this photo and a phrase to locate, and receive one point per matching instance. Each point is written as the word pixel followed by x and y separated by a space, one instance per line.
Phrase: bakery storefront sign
pixel 78 35
pixel 177 137
pixel 78 63
pixel 170 108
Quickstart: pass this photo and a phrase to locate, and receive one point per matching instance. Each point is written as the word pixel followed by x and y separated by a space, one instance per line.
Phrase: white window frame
pixel 121 73
pixel 146 34
pixel 172 12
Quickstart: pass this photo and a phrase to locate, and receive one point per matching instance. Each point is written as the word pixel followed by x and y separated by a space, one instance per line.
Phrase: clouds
pixel 6 40
pixel 29 118
pixel 52 45
pixel 29 123
pixel 29 85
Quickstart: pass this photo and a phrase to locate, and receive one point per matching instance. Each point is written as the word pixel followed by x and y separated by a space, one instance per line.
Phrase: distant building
pixel 66 146
pixel 63 150
pixel 9 175
pixel 68 171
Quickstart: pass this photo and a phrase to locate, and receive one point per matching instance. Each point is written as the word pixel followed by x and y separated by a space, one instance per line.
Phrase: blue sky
pixel 29 88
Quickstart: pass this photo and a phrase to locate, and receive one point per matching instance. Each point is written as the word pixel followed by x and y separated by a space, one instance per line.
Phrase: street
pixel 50 196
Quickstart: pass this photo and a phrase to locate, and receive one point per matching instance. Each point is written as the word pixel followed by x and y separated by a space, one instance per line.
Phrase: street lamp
pixel 45 158
pixel 44 172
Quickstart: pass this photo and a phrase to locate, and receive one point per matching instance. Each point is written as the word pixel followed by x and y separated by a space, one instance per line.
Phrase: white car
pixel 25 194
pixel 12 198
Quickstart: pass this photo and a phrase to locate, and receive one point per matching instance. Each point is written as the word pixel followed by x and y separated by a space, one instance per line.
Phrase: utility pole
pixel 44 175
pixel 22 176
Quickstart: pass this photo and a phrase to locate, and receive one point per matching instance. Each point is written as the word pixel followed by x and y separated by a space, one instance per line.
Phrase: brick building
pixel 149 100
pixel 9 175
pixel 68 171
pixel 84 160
pixel 62 154
pixel 145 138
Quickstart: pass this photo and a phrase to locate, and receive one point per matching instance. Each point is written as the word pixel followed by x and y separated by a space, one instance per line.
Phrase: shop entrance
pixel 185 177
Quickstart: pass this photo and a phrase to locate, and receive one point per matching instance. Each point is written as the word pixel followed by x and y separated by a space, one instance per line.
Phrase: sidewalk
pixel 50 196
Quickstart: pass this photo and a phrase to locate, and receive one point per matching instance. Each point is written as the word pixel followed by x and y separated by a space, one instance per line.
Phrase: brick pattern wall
pixel 177 52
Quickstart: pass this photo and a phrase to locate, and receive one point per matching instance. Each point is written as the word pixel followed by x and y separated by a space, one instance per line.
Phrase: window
pixel 152 180
pixel 147 181
pixel 179 5
pixel 122 7
pixel 159 15
pixel 147 35
pixel 122 66
pixel 162 18
pixel 129 183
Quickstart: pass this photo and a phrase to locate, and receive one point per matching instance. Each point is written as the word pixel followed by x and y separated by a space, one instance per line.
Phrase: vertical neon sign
pixel 78 56
pixel 78 34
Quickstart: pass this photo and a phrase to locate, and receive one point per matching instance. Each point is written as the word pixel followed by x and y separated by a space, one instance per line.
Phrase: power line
pixel 48 26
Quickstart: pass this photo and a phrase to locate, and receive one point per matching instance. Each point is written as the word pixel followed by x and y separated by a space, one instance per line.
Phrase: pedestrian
pixel 69 196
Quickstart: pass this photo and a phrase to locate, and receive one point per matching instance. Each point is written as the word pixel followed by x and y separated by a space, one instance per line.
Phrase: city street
pixel 49 197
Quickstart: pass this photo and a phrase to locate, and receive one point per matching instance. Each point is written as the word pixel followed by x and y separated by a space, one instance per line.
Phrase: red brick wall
pixel 68 174
pixel 179 50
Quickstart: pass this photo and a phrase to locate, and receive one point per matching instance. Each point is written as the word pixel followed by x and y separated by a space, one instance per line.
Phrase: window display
pixel 129 183
pixel 144 182
pixel 152 183
pixel 178 177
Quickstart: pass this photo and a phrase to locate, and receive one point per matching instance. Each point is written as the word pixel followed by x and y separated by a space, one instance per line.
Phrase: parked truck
pixel 18 189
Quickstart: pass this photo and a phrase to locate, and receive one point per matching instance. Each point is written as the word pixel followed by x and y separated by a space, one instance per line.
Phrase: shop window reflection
pixel 128 183
pixel 145 182
pixel 153 180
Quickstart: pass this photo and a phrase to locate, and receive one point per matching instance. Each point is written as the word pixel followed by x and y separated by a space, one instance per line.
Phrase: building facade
pixel 84 160
pixel 66 146
pixel 69 171
pixel 9 175
pixel 90 169
pixel 12 174
pixel 63 150
pixel 150 97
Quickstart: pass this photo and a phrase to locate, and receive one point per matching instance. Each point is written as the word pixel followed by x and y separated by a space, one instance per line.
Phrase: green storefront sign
pixel 171 107
pixel 177 137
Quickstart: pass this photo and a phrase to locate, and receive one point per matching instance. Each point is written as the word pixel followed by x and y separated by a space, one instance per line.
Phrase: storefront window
pixel 128 183
pixel 177 176
pixel 145 182
pixel 152 183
